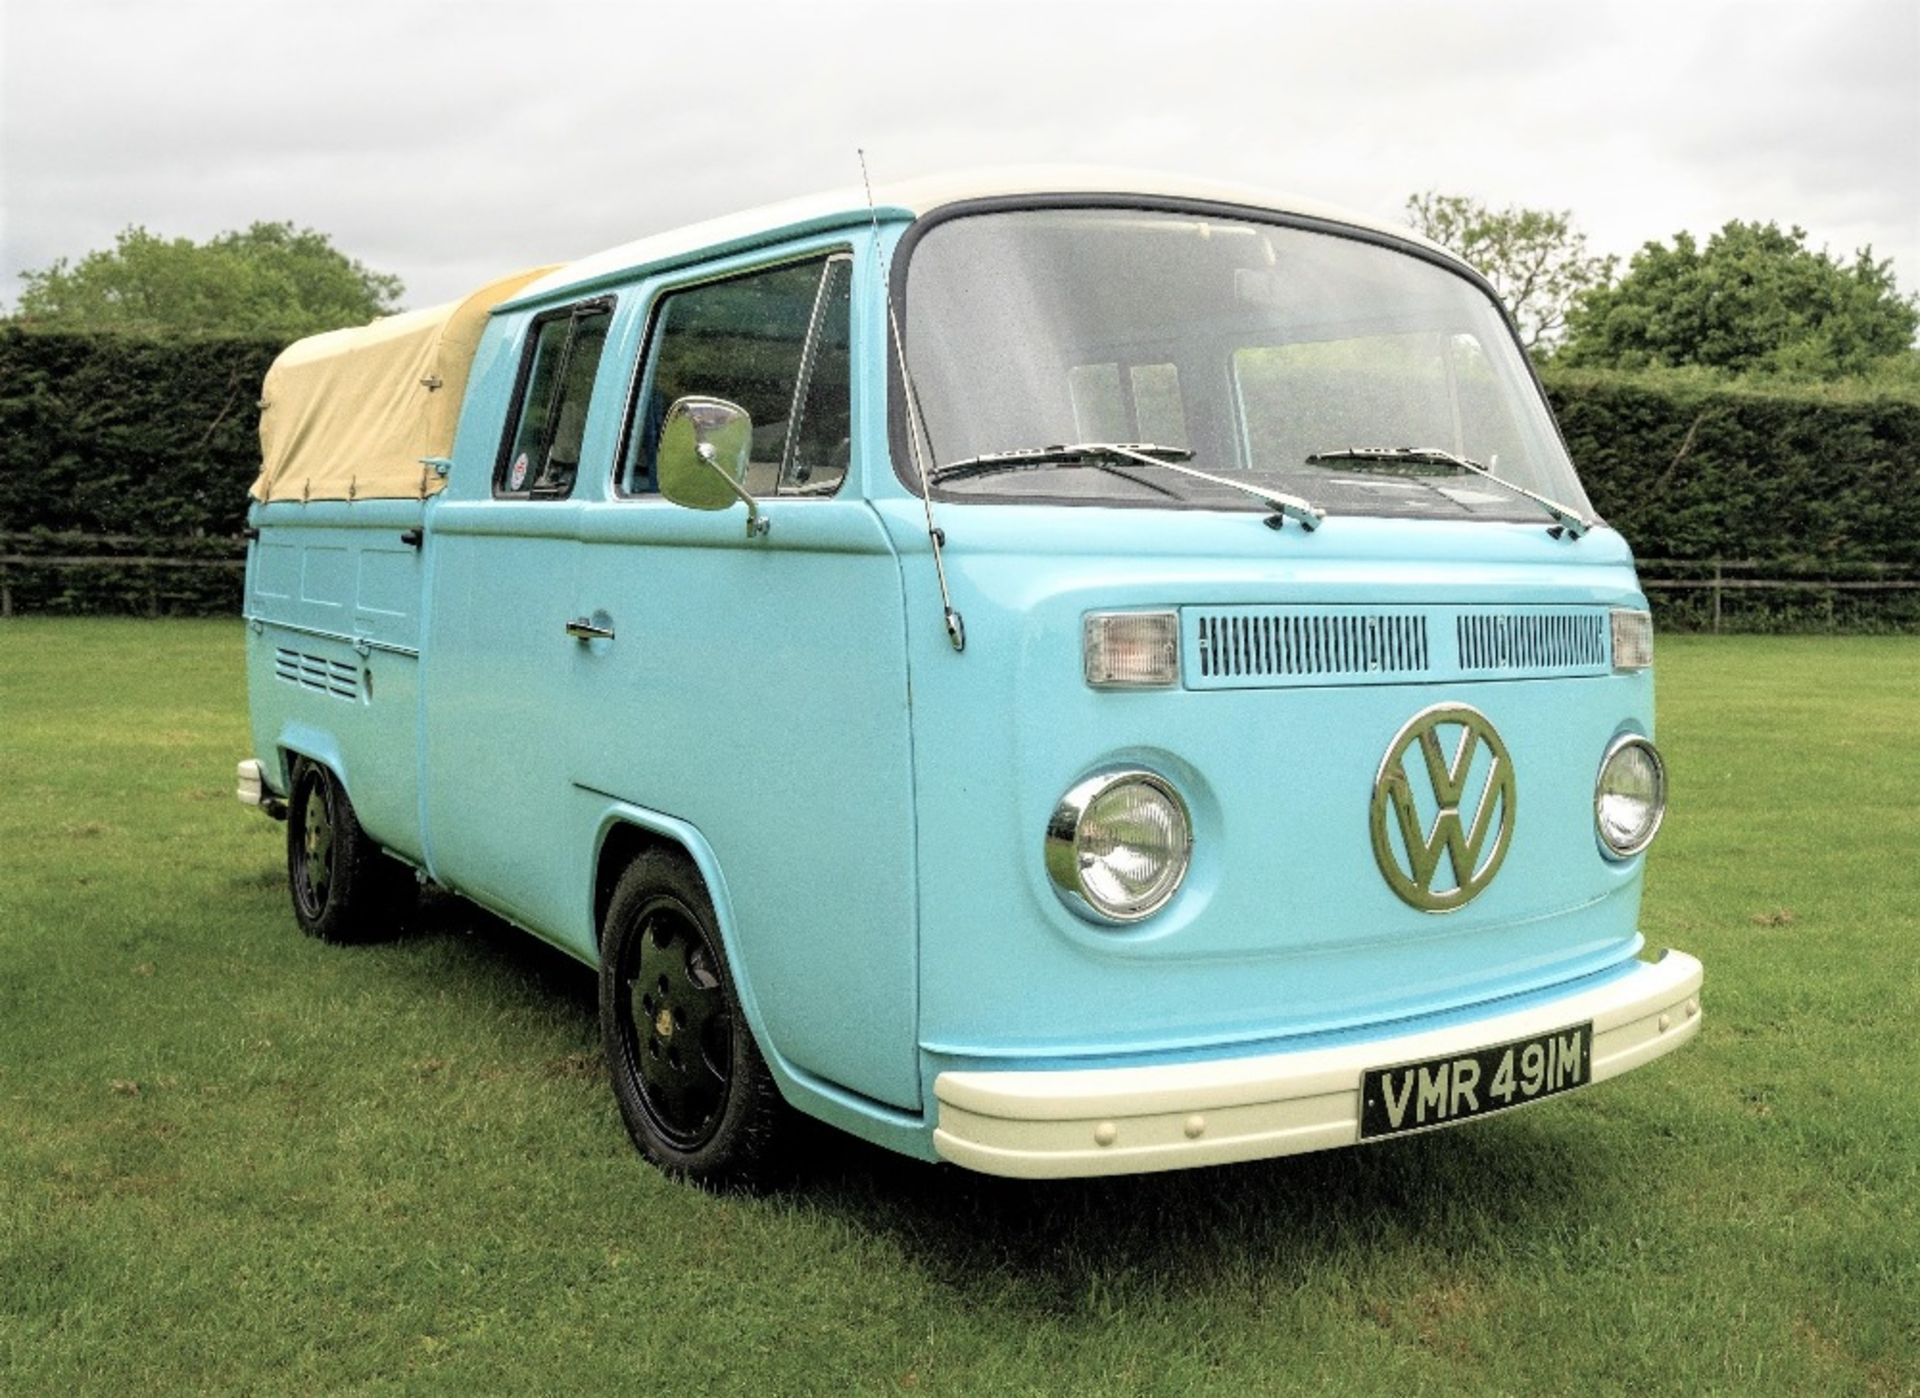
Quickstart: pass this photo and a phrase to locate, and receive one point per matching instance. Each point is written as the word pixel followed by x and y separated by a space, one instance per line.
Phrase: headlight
pixel 1118 845
pixel 1630 796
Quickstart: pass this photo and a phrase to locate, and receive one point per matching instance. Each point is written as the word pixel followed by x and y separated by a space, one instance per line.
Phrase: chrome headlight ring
pixel 1630 839
pixel 1118 846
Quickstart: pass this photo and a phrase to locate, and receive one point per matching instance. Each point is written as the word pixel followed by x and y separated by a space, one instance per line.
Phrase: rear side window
pixel 540 458
pixel 776 343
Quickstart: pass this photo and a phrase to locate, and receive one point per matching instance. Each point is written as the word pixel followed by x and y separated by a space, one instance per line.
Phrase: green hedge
pixel 1687 467
pixel 122 446
pixel 1806 481
pixel 126 446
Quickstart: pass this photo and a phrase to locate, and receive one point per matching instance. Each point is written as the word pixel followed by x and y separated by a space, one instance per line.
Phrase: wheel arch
pixel 316 745
pixel 624 833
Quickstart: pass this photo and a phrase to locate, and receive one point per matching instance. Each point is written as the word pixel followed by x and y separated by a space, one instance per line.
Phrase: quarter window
pixel 541 458
pixel 776 343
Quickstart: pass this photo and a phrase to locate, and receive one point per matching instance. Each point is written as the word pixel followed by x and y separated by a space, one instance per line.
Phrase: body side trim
pixel 254 619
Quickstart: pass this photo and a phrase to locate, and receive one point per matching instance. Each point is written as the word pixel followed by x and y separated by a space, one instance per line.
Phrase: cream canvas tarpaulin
pixel 348 415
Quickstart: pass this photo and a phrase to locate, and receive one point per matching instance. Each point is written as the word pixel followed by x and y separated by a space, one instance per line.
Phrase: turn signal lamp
pixel 1131 650
pixel 1632 640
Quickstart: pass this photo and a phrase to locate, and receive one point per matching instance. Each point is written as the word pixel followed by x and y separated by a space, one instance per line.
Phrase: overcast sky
pixel 449 142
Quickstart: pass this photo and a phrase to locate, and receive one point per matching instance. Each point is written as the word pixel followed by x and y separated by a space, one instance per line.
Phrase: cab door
pixel 755 687
pixel 502 561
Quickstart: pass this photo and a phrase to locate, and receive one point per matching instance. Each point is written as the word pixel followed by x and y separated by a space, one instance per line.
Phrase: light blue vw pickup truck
pixel 1058 672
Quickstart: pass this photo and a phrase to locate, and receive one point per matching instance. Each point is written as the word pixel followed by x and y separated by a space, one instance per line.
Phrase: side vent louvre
pixel 1532 640
pixel 1247 644
pixel 339 678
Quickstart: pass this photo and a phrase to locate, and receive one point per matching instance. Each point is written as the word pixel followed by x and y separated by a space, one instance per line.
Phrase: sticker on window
pixel 517 477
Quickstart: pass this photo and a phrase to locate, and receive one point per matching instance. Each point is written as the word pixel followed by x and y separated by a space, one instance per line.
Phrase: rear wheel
pixel 344 889
pixel 695 1094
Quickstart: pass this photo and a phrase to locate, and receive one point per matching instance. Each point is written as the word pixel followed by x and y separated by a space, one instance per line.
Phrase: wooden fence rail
pixel 117 560
pixel 16 557
pixel 1731 575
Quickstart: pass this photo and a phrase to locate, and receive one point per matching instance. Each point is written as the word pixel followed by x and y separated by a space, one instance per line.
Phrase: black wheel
pixel 344 889
pixel 695 1093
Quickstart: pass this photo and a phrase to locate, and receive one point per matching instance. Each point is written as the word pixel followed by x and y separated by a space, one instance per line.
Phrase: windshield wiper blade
pixel 1568 518
pixel 1096 453
pixel 1033 458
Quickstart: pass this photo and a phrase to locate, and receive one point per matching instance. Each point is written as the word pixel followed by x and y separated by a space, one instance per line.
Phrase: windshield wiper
pixel 1105 455
pixel 1569 519
pixel 1034 458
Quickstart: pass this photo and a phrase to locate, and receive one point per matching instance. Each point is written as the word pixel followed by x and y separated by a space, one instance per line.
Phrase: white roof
pixel 912 198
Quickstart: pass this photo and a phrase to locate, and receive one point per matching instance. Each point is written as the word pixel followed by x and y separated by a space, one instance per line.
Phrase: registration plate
pixel 1441 1091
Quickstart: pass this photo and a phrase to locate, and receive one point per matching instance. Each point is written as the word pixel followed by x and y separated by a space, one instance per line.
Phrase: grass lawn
pixel 233 1157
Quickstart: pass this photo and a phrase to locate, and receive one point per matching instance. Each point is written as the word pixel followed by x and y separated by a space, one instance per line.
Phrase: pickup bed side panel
pixel 333 652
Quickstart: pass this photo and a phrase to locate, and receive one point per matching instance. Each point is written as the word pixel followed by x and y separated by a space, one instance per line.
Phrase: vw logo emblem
pixel 1442 813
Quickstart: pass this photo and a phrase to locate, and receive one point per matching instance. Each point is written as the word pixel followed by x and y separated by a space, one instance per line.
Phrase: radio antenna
pixel 956 628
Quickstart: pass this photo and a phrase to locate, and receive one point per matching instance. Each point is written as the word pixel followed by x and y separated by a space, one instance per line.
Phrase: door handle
pixel 582 629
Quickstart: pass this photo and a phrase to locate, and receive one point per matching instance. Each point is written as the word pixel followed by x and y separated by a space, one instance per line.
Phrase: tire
pixel 695 1094
pixel 344 889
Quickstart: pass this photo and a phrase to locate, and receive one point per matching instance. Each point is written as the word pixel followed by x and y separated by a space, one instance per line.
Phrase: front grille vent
pixel 339 678
pixel 1532 640
pixel 1251 644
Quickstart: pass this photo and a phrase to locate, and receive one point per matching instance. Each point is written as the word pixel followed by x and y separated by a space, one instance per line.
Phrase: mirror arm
pixel 757 524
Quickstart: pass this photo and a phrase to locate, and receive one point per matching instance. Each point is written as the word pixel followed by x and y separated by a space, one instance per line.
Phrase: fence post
pixel 1716 597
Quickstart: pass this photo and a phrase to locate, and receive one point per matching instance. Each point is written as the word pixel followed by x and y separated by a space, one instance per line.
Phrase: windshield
pixel 1253 345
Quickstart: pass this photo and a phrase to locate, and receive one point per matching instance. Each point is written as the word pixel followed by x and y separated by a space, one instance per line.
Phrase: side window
pixel 541 456
pixel 776 343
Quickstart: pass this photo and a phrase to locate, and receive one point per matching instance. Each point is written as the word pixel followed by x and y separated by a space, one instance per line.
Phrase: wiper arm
pixel 1104 454
pixel 1565 516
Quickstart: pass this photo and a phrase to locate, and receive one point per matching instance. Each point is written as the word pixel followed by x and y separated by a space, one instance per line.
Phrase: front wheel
pixel 695 1094
pixel 344 888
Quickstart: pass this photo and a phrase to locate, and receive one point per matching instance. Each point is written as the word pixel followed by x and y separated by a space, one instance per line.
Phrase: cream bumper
pixel 1110 1121
pixel 250 786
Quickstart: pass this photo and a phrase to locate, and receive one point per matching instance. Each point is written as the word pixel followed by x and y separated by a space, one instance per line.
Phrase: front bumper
pixel 1109 1121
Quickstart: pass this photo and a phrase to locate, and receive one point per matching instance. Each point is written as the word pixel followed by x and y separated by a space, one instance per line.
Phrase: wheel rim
pixel 678 1030
pixel 313 853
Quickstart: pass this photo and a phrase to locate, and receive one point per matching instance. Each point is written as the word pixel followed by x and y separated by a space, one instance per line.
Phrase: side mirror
pixel 704 444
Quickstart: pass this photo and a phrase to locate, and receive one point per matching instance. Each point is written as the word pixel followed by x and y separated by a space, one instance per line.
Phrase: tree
pixel 1535 258
pixel 272 279
pixel 1754 299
